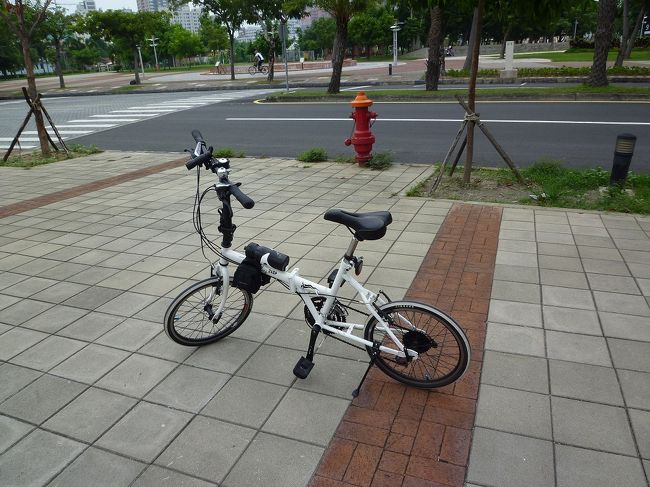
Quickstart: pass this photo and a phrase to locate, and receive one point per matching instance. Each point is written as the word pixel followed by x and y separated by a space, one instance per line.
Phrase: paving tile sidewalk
pixel 94 393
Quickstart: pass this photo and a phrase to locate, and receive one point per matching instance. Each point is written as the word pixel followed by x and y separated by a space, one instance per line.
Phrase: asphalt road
pixel 579 134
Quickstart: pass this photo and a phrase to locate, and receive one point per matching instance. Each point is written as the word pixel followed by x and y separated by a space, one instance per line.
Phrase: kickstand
pixel 305 364
pixel 373 356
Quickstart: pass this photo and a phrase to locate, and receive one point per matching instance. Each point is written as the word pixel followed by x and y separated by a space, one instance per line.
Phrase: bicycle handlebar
pixel 198 160
pixel 245 201
pixel 197 136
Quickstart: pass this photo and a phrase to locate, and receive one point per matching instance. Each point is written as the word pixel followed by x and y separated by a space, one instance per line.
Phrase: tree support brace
pixel 32 104
pixel 474 118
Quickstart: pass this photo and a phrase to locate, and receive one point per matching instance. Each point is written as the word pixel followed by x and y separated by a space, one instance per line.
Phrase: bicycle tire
pixel 191 304
pixel 252 70
pixel 434 367
pixel 264 70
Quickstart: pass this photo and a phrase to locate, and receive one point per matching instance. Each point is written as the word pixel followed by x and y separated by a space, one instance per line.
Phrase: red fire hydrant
pixel 362 137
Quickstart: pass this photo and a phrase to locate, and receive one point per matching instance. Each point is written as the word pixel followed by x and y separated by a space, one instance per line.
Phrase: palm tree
pixel 603 40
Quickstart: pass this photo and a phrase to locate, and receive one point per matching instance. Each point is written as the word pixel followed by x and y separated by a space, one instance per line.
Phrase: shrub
pixel 317 154
pixel 227 152
pixel 380 161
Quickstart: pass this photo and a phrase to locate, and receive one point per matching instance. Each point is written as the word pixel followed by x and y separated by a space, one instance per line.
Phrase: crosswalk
pixel 77 127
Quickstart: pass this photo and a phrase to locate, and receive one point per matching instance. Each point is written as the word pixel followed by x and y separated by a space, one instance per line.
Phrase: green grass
pixel 555 71
pixel 380 95
pixel 317 154
pixel 33 159
pixel 227 152
pixel 557 186
pixel 380 161
pixel 570 55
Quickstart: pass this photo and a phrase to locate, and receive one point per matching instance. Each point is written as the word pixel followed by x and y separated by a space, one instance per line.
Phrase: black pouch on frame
pixel 248 276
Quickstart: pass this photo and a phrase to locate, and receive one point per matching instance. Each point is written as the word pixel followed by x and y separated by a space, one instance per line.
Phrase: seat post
pixel 351 248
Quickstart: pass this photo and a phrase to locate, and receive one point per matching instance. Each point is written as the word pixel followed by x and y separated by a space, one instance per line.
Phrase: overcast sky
pixel 116 4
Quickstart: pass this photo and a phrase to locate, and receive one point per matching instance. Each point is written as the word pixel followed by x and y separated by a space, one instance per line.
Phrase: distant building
pixel 313 13
pixel 248 32
pixel 188 17
pixel 86 6
pixel 184 15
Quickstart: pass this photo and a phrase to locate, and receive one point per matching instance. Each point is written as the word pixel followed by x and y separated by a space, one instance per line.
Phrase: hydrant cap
pixel 361 101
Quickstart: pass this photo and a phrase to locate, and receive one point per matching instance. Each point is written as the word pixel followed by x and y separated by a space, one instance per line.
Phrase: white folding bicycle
pixel 412 342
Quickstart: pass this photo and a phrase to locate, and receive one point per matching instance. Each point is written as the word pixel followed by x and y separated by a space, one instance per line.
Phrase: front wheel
pixel 192 318
pixel 441 345
pixel 252 70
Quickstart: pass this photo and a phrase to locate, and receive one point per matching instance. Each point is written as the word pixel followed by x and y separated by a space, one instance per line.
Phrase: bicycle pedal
pixel 303 368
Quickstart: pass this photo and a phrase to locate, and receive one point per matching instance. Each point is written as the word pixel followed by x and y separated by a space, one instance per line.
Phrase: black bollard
pixel 622 158
pixel 390 70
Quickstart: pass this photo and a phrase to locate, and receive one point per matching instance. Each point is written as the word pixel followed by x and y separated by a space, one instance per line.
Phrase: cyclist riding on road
pixel 260 59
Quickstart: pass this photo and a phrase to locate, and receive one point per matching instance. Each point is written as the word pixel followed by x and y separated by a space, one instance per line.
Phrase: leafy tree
pixel 23 18
pixel 371 28
pixel 319 36
pixel 127 30
pixel 231 13
pixel 184 43
pixel 631 29
pixel 10 55
pixel 342 11
pixel 273 16
pixel 213 36
pixel 56 29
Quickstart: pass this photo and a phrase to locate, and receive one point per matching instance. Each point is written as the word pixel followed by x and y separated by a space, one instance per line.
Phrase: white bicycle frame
pixel 306 289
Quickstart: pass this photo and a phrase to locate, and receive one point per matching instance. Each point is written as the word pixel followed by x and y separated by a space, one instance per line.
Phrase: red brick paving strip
pixel 398 436
pixel 47 199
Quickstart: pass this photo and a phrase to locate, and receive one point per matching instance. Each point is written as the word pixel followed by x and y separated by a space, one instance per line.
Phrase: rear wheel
pixel 192 318
pixel 442 347
pixel 252 70
pixel 264 70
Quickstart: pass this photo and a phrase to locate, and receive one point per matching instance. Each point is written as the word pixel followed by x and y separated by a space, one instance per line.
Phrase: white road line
pixel 454 120
pixel 61 131
pixel 167 105
pixel 98 125
pixel 22 146
pixel 151 109
pixel 141 113
pixel 355 88
pixel 122 115
pixel 22 139
pixel 106 120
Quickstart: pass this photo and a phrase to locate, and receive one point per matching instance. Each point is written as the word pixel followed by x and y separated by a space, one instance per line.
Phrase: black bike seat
pixel 367 226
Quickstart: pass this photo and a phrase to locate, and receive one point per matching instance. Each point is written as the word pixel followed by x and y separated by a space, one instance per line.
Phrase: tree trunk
pixel 506 34
pixel 32 91
pixel 469 148
pixel 136 65
pixel 271 53
pixel 603 39
pixel 435 48
pixel 58 65
pixel 231 35
pixel 635 31
pixel 625 39
pixel 472 41
pixel 338 54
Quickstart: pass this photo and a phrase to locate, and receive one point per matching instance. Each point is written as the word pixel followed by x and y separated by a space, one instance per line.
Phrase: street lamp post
pixel 153 42
pixel 395 28
pixel 575 29
pixel 140 56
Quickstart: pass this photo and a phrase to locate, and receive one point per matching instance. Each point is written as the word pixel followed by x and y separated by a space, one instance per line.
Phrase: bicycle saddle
pixel 366 226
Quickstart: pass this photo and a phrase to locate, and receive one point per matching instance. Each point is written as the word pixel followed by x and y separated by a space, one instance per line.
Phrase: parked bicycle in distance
pixel 412 342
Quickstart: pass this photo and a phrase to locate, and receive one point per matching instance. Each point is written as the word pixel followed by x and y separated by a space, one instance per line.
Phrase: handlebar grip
pixel 198 160
pixel 245 201
pixel 197 136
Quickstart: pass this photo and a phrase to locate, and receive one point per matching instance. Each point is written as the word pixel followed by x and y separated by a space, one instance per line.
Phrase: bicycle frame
pixel 307 289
